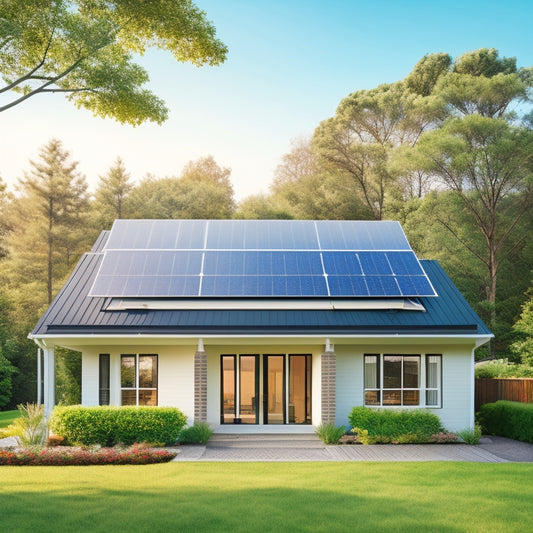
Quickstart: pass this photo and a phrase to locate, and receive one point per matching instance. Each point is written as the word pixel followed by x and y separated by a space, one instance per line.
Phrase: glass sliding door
pixel 228 388
pixel 239 389
pixel 299 389
pixel 248 388
pixel 274 389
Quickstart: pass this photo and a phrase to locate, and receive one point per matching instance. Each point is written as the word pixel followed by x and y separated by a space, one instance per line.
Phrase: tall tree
pixel 48 223
pixel 308 189
pixel 111 196
pixel 367 125
pixel 85 49
pixel 488 164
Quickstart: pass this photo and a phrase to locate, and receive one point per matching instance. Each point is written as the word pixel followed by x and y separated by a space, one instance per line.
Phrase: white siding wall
pixel 457 407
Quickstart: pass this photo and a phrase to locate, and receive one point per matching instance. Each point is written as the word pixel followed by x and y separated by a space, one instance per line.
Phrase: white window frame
pixel 422 381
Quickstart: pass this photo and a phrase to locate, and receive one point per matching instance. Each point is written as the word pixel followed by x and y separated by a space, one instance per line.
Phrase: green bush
pixel 108 426
pixel 508 419
pixel 501 368
pixel 329 433
pixel 198 433
pixel 412 425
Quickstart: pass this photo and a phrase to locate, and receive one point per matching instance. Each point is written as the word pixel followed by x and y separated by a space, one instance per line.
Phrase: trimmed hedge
pixel 107 426
pixel 413 425
pixel 508 419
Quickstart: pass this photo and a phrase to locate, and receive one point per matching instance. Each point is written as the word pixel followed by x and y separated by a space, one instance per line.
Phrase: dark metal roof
pixel 74 312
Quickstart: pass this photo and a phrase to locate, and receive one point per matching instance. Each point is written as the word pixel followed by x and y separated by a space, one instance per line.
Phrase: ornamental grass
pixel 67 456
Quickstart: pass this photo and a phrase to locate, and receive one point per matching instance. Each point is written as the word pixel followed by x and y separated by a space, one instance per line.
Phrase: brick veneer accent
pixel 200 387
pixel 329 387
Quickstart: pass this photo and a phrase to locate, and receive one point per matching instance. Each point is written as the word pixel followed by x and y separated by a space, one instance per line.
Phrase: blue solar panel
pixel 405 264
pixel 374 263
pixel 361 235
pixel 261 286
pixel 261 235
pixel 157 234
pixel 347 285
pixel 259 258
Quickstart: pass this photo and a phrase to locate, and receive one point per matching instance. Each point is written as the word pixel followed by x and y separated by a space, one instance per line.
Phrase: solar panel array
pixel 259 258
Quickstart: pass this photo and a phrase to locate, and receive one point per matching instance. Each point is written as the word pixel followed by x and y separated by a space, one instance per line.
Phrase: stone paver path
pixel 399 452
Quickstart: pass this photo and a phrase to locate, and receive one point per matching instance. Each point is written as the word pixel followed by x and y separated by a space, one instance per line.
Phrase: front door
pixel 284 384
pixel 274 389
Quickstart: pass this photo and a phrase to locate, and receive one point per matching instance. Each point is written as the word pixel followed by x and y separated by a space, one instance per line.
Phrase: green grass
pixel 329 497
pixel 7 417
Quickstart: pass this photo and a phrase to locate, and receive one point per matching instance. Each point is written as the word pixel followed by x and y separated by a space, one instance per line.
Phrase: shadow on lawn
pixel 344 506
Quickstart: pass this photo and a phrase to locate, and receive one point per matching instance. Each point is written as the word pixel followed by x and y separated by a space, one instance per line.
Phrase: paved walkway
pixel 491 450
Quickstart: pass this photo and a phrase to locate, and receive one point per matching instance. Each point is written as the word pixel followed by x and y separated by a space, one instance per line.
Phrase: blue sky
pixel 289 64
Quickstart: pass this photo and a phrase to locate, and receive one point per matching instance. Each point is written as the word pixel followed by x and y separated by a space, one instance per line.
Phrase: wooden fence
pixel 490 390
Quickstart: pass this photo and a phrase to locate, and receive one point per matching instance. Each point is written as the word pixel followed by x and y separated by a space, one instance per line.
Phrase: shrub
pixel 198 433
pixel 471 436
pixel 329 433
pixel 508 419
pixel 414 425
pixel 30 428
pixel 135 455
pixel 108 426
pixel 501 368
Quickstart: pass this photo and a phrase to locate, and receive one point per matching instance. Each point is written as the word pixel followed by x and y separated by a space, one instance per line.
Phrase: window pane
pixel 372 397
pixel 432 371
pixel 148 371
pixel 371 372
pixel 392 372
pixel 129 397
pixel 148 397
pixel 127 371
pixel 228 388
pixel 248 382
pixel 411 372
pixel 411 397
pixel 432 398
pixel 104 379
pixel 392 397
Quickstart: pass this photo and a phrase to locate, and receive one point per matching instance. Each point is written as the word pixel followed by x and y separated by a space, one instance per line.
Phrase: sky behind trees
pixel 289 65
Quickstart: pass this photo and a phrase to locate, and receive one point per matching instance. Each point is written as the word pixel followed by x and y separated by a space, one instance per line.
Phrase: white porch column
pixel 49 381
pixel 39 376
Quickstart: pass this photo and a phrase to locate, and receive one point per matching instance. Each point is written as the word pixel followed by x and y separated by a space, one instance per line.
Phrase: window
pixel 397 380
pixel 138 379
pixel 103 379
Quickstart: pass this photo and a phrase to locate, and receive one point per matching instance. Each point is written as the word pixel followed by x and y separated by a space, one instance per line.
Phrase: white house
pixel 280 324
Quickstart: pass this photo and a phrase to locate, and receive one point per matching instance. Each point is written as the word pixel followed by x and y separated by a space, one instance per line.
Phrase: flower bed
pixel 64 456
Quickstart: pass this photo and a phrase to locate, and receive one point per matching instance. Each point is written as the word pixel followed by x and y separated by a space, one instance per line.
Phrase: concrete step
pixel 264 441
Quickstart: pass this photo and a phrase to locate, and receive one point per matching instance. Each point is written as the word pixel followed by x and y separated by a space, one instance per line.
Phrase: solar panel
pixel 157 234
pixel 261 235
pixel 361 235
pixel 259 258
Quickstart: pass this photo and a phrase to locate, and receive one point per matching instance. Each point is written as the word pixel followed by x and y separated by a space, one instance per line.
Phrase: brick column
pixel 329 387
pixel 200 386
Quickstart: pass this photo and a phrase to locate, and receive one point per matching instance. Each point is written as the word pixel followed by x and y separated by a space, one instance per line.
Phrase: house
pixel 283 324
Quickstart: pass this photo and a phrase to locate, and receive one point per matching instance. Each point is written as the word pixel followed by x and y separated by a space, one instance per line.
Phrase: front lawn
pixel 7 417
pixel 276 497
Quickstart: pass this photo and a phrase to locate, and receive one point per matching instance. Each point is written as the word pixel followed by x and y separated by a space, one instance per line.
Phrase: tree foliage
pixel 85 49
pixel 48 219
